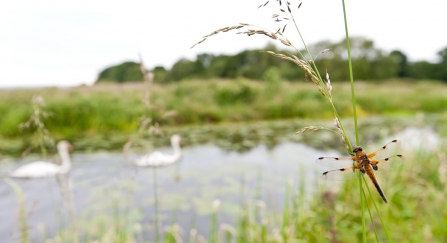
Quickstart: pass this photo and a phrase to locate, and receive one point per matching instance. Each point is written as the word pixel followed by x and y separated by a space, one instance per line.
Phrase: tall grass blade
pixel 362 203
pixel 156 223
pixel 370 217
pixel 354 109
pixel 286 214
pixel 378 212
pixel 213 228
pixel 22 210
pixel 351 75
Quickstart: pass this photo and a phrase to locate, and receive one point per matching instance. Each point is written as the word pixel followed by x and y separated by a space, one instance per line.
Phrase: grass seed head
pixel 309 128
pixel 343 137
pixel 224 29
pixel 328 84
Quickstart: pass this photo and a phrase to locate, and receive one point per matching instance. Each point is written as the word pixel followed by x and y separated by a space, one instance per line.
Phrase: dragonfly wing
pixel 388 163
pixel 387 150
pixel 339 174
pixel 334 162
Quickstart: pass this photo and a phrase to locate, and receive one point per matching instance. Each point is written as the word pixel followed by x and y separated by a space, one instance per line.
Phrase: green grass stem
pixel 286 213
pixel 22 210
pixel 370 216
pixel 378 212
pixel 362 203
pixel 156 229
pixel 351 75
pixel 354 110
pixel 213 227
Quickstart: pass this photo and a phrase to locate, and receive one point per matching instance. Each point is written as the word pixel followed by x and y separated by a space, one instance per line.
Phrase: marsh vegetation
pixel 105 114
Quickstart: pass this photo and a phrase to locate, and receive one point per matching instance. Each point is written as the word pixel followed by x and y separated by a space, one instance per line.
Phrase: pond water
pixel 188 189
pixel 104 188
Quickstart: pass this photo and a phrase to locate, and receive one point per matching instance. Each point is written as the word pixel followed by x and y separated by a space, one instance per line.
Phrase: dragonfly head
pixel 357 149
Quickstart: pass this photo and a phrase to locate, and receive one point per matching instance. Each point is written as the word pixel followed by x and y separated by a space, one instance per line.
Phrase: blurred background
pixel 118 78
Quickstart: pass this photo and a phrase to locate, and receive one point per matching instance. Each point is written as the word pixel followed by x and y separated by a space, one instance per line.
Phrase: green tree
pixel 442 67
pixel 160 74
pixel 402 62
pixel 124 72
pixel 369 62
pixel 443 54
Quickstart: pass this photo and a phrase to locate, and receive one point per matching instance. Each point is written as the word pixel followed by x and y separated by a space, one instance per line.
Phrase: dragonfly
pixel 365 163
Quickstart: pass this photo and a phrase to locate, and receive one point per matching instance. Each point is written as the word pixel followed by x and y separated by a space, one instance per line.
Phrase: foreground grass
pixel 116 108
pixel 416 211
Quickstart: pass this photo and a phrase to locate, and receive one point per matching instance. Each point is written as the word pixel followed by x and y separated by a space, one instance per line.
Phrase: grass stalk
pixel 156 229
pixel 351 75
pixel 22 210
pixel 354 109
pixel 193 230
pixel 370 217
pixel 213 227
pixel 242 231
pixel 286 214
pixel 378 212
pixel 258 193
pixel 362 203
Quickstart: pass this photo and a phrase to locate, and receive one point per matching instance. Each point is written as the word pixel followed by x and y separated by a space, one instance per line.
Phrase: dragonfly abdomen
pixel 371 176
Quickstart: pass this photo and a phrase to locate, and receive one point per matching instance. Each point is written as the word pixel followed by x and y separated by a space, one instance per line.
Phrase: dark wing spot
pixel 321 158
pixel 336 158
pixel 384 147
pixel 325 173
pixel 399 155
pixel 386 159
pixel 343 169
pixel 394 141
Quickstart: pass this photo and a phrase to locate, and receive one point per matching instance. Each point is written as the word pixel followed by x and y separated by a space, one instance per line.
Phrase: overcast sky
pixel 68 42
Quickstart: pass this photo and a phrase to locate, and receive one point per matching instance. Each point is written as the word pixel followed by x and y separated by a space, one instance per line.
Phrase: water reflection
pixel 244 136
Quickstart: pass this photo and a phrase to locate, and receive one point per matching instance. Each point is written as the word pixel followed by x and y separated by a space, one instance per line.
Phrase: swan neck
pixel 177 149
pixel 66 163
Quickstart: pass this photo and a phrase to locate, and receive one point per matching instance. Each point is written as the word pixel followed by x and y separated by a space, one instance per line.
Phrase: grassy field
pixel 116 108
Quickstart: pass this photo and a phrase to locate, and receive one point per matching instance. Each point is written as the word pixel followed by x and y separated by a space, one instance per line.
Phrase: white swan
pixel 159 159
pixel 40 169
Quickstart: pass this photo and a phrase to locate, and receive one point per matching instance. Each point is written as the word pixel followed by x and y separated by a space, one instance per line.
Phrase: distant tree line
pixel 369 63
